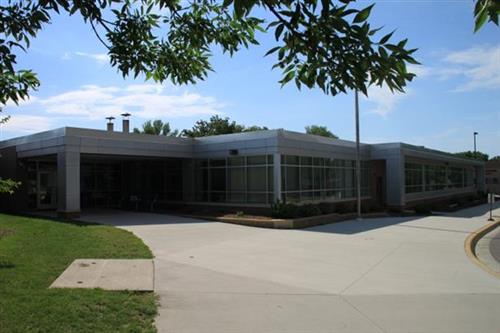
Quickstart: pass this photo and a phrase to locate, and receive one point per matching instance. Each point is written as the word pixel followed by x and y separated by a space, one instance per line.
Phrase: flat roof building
pixel 492 176
pixel 70 169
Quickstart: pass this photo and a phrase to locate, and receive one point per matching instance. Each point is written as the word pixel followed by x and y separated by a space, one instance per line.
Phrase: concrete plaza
pixel 375 275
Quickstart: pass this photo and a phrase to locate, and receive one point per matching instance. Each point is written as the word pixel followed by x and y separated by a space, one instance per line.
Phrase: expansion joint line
pixel 370 269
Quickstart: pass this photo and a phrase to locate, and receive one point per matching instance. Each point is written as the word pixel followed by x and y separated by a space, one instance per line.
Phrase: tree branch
pixel 98 36
pixel 298 33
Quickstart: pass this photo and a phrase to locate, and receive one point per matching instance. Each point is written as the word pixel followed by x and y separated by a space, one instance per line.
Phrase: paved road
pixel 376 275
pixel 495 245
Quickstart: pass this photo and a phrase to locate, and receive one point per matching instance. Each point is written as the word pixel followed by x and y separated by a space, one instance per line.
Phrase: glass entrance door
pixel 46 190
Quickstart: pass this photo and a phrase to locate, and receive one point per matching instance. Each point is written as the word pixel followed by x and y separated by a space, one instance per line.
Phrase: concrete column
pixel 277 176
pixel 480 179
pixel 68 184
pixel 395 180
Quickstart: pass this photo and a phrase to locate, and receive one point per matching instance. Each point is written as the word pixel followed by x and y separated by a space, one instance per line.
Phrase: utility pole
pixel 358 161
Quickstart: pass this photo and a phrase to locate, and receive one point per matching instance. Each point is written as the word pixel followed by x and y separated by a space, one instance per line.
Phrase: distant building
pixel 492 176
pixel 73 169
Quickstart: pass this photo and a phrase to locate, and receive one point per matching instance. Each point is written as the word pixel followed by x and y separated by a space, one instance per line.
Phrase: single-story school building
pixel 73 169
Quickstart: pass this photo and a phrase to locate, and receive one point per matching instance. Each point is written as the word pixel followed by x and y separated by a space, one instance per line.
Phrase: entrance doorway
pixel 46 190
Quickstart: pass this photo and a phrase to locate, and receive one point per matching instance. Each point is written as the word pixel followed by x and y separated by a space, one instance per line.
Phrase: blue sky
pixel 457 91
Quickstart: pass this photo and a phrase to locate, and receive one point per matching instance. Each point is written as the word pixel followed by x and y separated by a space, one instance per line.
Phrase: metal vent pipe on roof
pixel 125 122
pixel 110 125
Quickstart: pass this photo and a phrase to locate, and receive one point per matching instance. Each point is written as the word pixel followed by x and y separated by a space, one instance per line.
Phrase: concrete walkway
pixel 108 274
pixel 376 275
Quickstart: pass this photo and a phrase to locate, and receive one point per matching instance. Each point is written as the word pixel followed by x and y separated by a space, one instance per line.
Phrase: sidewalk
pixel 403 274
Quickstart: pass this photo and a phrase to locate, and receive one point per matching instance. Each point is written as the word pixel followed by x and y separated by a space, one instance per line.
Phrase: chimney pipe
pixel 125 122
pixel 110 125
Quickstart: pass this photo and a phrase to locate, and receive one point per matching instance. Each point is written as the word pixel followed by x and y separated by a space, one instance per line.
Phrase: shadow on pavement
pixel 475 211
pixel 357 226
pixel 121 218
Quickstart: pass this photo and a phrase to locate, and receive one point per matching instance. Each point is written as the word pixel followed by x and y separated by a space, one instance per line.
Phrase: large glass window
pixel 238 179
pixel 317 179
pixel 426 177
pixel 292 180
pixel 414 177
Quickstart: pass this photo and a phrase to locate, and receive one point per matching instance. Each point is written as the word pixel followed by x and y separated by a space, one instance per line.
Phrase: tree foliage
pixel 216 126
pixel 495 158
pixel 321 131
pixel 473 155
pixel 486 10
pixel 8 185
pixel 327 44
pixel 157 127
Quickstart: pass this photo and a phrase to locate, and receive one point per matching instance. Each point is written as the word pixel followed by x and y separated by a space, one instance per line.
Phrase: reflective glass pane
pixel 305 160
pixel 292 179
pixel 270 179
pixel 257 179
pixel 306 178
pixel 236 161
pixel 292 197
pixel 318 161
pixel 236 177
pixel 293 160
pixel 256 160
pixel 218 179
pixel 257 198
pixel 220 162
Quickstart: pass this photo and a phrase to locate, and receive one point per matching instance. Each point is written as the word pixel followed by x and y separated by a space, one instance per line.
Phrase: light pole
pixel 475 134
pixel 358 162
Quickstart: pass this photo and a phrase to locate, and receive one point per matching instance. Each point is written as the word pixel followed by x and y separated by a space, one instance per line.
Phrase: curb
pixel 294 223
pixel 471 242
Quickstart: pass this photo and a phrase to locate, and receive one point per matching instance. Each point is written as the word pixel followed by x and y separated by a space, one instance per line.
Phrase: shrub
pixel 422 209
pixel 282 210
pixel 366 207
pixel 440 205
pixel 308 210
pixel 240 213
pixel 326 207
pixel 342 208
pixel 471 198
pixel 376 207
pixel 394 209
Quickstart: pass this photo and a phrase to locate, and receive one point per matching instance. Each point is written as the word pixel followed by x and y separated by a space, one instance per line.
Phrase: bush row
pixel 459 202
pixel 284 210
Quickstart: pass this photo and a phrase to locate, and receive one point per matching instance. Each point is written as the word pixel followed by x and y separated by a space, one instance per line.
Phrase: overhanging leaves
pixel 326 44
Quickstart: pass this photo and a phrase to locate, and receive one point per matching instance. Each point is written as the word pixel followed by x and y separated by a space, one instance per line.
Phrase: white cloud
pixel 383 100
pixel 66 56
pixel 100 58
pixel 144 88
pixel 143 101
pixel 478 66
pixel 22 124
pixel 420 70
pixel 22 102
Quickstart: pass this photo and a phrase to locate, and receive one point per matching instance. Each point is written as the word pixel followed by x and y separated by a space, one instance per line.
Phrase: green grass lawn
pixel 34 252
